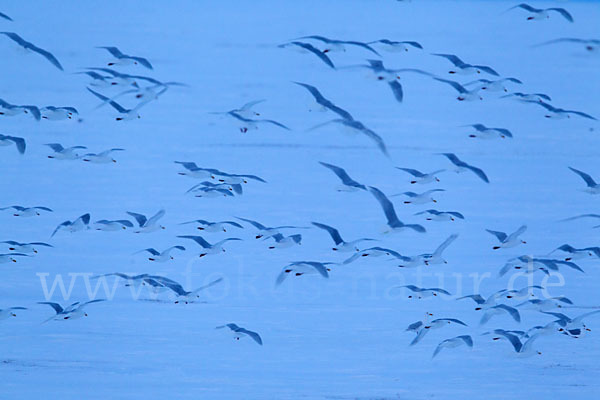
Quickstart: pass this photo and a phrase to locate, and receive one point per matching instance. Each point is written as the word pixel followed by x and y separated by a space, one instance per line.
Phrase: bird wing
pixel 341 173
pixel 322 56
pixel 252 334
pixel 198 239
pixel 386 204
pixel 562 12
pixel 445 244
pixel 501 236
pixel 141 219
pixel 517 233
pixel 154 219
pixel 452 58
pixel 334 233
pixel 256 224
pixel 460 88
pixel 587 178
pixel 396 90
pixel 57 307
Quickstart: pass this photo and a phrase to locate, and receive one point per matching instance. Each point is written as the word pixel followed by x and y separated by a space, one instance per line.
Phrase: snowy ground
pixel 338 338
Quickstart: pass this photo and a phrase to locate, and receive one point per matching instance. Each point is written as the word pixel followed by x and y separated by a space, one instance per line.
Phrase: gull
pixel 355 126
pixel 592 186
pixel 235 179
pixel 462 166
pixel 559 113
pixel 10 110
pixel 483 132
pixel 6 140
pixel 136 280
pixel 390 76
pixel 454 342
pixel 533 264
pixel 542 13
pixel 125 59
pixel 498 310
pixel 496 332
pixel 436 257
pixel 52 113
pixel 299 268
pixel 265 230
pixel 434 215
pixel 340 244
pixel 421 293
pixel 508 241
pixel 183 295
pixel 493 86
pixel 101 158
pixel 120 78
pixel 339 45
pixel 416 326
pixel 519 293
pixel 110 226
pixel 208 226
pixel 393 223
pixel 484 303
pixel 419 198
pixel 30 46
pixel 522 348
pixel 464 68
pixel 26 211
pixel 6 258
pixel 193 171
pixel 127 114
pixel 348 184
pixel 98 80
pixel 435 324
pixel 6 17
pixel 545 304
pixel 208 248
pixel 420 177
pixel 163 256
pixel 212 192
pixel 572 327
pixel 148 225
pixel 283 242
pixel 9 312
pixel 25 247
pixel 374 252
pixel 79 224
pixel 248 123
pixel 62 153
pixel 323 102
pixel 74 311
pixel 464 93
pixel 575 254
pixel 239 332
pixel 528 97
pixel 307 47
pixel 202 186
pixel 395 46
pixel 245 111
pixel 591 45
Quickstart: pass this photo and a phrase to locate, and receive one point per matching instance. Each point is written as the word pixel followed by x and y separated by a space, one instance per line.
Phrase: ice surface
pixel 337 338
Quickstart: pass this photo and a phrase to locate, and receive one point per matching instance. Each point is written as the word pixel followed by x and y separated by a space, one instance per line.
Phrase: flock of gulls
pixel 114 88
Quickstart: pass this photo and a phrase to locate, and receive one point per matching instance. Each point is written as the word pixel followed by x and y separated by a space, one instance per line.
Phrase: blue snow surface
pixel 341 337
